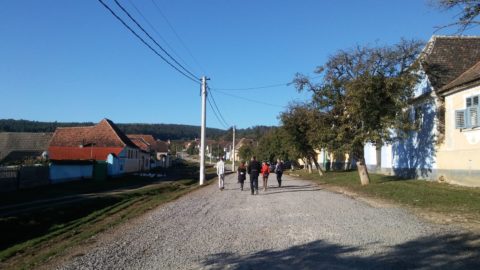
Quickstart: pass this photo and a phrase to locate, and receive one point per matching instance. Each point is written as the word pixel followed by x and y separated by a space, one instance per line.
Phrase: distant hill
pixel 159 131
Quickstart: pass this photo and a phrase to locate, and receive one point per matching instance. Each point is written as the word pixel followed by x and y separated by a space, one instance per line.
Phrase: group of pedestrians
pixel 254 169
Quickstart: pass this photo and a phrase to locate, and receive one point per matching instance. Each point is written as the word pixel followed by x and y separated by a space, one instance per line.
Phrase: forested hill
pixel 159 131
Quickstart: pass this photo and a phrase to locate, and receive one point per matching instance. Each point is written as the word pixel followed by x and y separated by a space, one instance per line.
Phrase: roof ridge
pixel 75 127
pixel 111 125
pixel 109 122
pixel 454 36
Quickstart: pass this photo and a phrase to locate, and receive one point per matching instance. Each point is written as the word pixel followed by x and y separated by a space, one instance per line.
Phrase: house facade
pixel 458 157
pixel 83 152
pixel 162 153
pixel 426 152
pixel 146 144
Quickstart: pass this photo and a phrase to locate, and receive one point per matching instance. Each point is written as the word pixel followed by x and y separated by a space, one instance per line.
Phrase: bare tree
pixel 467 18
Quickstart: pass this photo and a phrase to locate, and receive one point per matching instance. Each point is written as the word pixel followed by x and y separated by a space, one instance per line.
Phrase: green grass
pixel 30 239
pixel 432 196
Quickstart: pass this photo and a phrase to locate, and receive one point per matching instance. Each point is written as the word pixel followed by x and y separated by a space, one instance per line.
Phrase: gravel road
pixel 298 226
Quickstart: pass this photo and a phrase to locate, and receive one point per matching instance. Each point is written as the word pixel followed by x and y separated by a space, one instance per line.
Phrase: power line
pixel 261 87
pixel 146 44
pixel 152 39
pixel 159 35
pixel 215 103
pixel 178 36
pixel 253 88
pixel 248 99
pixel 215 113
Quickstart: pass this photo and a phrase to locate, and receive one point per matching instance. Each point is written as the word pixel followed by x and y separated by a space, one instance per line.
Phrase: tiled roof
pixel 104 134
pixel 469 76
pixel 447 57
pixel 147 138
pixel 23 142
pixel 141 143
pixel 79 143
pixel 161 146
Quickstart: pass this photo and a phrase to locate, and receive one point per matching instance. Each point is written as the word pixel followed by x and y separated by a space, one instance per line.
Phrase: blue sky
pixel 71 60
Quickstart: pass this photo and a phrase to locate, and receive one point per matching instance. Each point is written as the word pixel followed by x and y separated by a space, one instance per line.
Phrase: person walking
pixel 221 173
pixel 279 172
pixel 242 174
pixel 253 170
pixel 265 171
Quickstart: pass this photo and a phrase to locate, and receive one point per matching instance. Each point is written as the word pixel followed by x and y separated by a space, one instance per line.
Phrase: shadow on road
pixel 288 189
pixel 449 251
pixel 275 190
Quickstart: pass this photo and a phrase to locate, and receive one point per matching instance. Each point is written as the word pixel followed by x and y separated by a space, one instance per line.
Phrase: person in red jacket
pixel 265 171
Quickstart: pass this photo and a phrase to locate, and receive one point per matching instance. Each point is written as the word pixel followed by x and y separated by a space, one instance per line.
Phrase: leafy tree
pixel 275 145
pixel 246 152
pixel 176 147
pixel 217 150
pixel 255 132
pixel 469 11
pixel 192 149
pixel 360 98
pixel 300 123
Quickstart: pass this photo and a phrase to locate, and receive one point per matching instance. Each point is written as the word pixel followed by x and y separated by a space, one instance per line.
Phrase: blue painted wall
pixel 414 155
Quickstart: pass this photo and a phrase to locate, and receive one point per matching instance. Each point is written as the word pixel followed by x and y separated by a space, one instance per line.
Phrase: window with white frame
pixel 470 116
pixel 418 116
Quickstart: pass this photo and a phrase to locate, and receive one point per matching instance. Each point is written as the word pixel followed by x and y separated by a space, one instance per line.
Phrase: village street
pixel 297 226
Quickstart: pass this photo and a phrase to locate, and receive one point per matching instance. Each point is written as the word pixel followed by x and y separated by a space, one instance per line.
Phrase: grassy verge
pixel 30 239
pixel 432 196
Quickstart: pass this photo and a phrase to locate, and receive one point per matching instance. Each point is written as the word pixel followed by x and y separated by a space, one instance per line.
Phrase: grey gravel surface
pixel 297 226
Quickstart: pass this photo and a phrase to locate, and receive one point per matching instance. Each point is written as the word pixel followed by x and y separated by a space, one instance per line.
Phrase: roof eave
pixel 459 88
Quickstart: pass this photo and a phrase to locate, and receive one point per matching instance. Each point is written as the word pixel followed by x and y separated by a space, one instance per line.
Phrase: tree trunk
pixel 309 166
pixel 363 172
pixel 319 169
pixel 305 162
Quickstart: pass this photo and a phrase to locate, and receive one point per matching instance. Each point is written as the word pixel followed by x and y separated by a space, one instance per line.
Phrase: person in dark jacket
pixel 253 170
pixel 279 172
pixel 242 174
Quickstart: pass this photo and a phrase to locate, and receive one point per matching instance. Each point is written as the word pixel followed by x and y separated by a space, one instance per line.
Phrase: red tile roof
pixel 147 138
pixel 143 140
pixel 140 143
pixel 92 142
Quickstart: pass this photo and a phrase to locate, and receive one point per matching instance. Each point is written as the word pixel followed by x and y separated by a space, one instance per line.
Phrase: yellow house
pixel 328 160
pixel 458 157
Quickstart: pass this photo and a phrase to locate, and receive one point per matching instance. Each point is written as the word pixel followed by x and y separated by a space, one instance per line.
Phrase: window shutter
pixel 469 102
pixel 473 116
pixel 460 119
